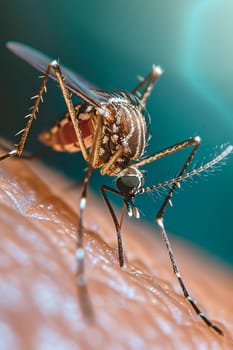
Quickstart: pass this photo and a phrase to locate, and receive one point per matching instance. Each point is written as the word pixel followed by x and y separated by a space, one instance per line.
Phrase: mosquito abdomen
pixel 62 137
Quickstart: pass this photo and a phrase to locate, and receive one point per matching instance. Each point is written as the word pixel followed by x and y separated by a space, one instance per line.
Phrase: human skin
pixel 139 306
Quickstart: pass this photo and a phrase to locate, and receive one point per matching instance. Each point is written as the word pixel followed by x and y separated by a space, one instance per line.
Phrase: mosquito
pixel 111 131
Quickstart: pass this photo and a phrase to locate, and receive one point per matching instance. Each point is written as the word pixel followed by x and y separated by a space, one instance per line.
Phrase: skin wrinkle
pixel 137 307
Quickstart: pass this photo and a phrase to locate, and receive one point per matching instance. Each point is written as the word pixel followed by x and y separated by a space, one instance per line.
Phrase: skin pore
pixel 138 307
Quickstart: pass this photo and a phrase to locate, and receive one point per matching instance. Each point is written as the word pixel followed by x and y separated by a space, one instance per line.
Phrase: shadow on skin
pixel 138 307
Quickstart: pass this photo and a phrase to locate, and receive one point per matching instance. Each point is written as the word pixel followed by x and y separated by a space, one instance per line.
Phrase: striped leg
pixel 80 250
pixel 159 219
pixel 85 301
pixel 31 116
pixel 181 281
pixel 53 66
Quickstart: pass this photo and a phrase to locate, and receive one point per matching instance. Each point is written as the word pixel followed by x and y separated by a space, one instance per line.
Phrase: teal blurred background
pixel 109 43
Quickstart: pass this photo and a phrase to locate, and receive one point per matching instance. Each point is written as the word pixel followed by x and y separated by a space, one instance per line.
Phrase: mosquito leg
pixel 228 150
pixel 54 66
pixel 80 250
pixel 85 302
pixel 61 81
pixel 181 281
pixel 193 141
pixel 116 223
pixel 9 154
pixel 31 116
pixel 149 82
pixel 159 219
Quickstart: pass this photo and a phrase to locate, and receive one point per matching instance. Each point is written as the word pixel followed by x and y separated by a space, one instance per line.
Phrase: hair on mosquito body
pixel 111 130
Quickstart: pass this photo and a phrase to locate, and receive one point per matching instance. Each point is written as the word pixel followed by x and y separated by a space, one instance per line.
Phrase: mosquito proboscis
pixel 111 131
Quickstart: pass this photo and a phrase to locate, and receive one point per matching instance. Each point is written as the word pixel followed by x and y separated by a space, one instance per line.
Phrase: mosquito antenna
pixel 194 172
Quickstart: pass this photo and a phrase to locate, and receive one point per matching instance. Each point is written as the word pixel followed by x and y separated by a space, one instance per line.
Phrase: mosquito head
pixel 128 182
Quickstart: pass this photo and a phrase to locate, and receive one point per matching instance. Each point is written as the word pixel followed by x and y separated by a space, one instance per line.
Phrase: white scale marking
pixel 80 253
pixel 83 203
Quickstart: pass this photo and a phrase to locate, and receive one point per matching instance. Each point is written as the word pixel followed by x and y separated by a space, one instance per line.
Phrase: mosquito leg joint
pixel 54 64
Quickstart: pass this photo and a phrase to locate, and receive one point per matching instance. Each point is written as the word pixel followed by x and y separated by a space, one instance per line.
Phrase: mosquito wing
pixel 75 83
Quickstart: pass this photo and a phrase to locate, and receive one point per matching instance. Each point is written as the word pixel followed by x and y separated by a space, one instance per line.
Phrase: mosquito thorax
pixel 129 181
pixel 122 135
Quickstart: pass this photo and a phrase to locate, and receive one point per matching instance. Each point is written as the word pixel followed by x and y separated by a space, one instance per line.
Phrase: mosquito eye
pixel 127 183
